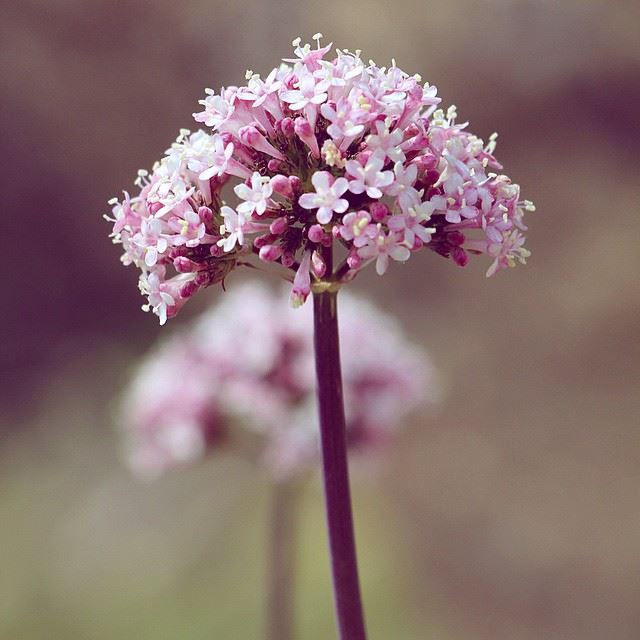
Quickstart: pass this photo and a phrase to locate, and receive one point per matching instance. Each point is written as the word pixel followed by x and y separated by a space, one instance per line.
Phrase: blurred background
pixel 513 513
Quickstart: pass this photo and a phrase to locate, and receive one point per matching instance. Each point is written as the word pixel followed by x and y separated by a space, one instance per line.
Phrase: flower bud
pixel 455 238
pixel 296 184
pixel 274 165
pixel 379 211
pixel 304 131
pixel 206 215
pixel 459 256
pixel 354 261
pixel 287 259
pixel 316 233
pixel 282 185
pixel 263 240
pixel 270 252
pixel 184 265
pixel 318 265
pixel 288 128
pixel 279 226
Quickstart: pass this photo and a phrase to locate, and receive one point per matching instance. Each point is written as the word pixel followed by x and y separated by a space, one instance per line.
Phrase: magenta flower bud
pixel 316 233
pixel 431 177
pixel 429 161
pixel 282 185
pixel 287 259
pixel 455 238
pixel 250 136
pixel 216 251
pixel 459 256
pixel 263 240
pixel 202 279
pixel 275 165
pixel 363 156
pixel 423 163
pixel 184 265
pixel 379 211
pixel 411 131
pixel 270 252
pixel 154 207
pixel 288 128
pixel 188 289
pixel 304 131
pixel 318 265
pixel 354 261
pixel 206 215
pixel 296 184
pixel 279 226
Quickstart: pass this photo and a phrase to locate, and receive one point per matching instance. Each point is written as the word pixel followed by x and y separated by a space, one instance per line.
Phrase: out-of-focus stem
pixel 281 556
pixel 349 614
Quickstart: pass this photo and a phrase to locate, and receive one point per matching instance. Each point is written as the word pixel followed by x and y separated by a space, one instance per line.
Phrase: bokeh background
pixel 512 513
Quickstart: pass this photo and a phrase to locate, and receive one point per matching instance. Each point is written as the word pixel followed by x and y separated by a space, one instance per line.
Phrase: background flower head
pixel 242 378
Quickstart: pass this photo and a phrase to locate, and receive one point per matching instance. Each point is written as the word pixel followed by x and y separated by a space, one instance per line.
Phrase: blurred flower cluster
pixel 242 379
pixel 320 151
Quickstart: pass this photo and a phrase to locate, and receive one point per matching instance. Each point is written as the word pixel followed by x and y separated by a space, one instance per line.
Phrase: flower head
pixel 306 155
pixel 245 366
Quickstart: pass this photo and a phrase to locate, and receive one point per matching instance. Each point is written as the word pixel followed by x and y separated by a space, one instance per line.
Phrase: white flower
pixel 327 196
pixel 382 247
pixel 387 142
pixel 369 178
pixel 402 186
pixel 233 225
pixel 216 162
pixel 256 196
pixel 410 223
pixel 308 92
pixel 169 191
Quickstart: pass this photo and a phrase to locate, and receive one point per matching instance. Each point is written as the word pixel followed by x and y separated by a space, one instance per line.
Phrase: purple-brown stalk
pixel 350 617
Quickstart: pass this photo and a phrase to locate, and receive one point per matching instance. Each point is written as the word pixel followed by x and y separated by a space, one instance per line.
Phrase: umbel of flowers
pixel 325 151
pixel 189 397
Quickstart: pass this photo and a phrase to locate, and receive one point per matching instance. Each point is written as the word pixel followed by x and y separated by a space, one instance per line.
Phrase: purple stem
pixel 350 618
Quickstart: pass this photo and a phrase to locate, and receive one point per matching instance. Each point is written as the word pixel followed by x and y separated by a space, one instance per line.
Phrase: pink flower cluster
pixel 321 151
pixel 243 379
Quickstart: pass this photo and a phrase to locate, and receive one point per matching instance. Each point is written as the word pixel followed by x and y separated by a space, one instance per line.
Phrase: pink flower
pixel 218 160
pixel 188 397
pixel 334 136
pixel 307 93
pixel 190 228
pixel 344 118
pixel 383 246
pixel 256 196
pixel 412 224
pixel 403 186
pixel 302 282
pixel 387 142
pixel 164 295
pixel 357 227
pixel 152 240
pixel 326 198
pixel 369 178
